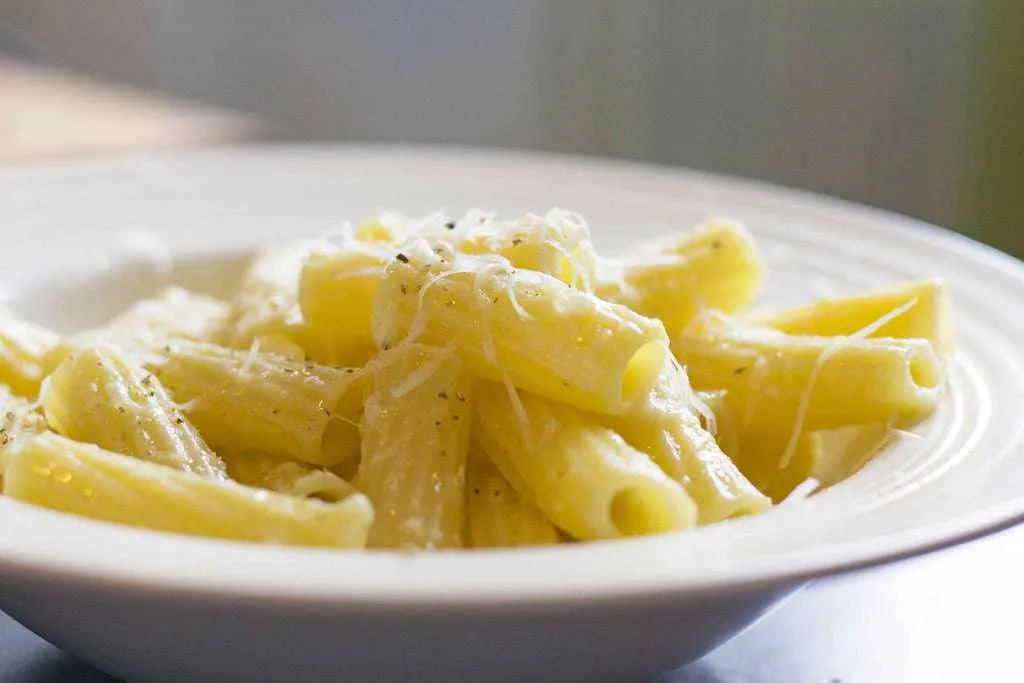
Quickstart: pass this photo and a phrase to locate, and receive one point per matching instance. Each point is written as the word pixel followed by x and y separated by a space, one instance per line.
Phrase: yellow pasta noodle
pixel 415 437
pixel 917 309
pixel 174 313
pixel 337 289
pixel 100 395
pixel 65 475
pixel 290 477
pixel 715 266
pixel 268 301
pixel 667 429
pixel 783 384
pixel 19 420
pixel 556 243
pixel 521 327
pixel 582 476
pixel 23 350
pixel 498 517
pixel 248 401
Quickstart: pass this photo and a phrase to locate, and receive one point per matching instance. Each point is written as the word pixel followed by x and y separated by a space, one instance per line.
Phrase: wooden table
pixel 48 114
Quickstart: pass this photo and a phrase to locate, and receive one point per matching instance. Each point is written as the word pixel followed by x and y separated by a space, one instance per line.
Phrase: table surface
pixel 943 617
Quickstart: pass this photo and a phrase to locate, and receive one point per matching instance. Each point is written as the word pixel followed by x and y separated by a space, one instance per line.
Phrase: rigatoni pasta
pixel 248 401
pixel 85 480
pixel 100 395
pixel 466 382
pixel 520 326
pixel 415 432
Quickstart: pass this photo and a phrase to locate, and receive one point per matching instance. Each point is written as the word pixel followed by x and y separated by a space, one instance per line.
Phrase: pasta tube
pixel 715 266
pixel 19 420
pixel 252 402
pixel 498 517
pixel 81 479
pixel 905 311
pixel 583 477
pixel 23 350
pixel 556 243
pixel 100 395
pixel 415 437
pixel 288 477
pixel 780 384
pixel 175 313
pixel 667 428
pixel 520 327
pixel 337 289
pixel 268 301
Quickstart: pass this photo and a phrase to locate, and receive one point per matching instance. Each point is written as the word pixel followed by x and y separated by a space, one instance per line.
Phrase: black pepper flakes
pixel 739 371
pixel 461 397
pixel 442 394
pixel 516 242
pixel 402 257
pixel 476 492
pixel 716 244
pixel 404 287
pixel 450 225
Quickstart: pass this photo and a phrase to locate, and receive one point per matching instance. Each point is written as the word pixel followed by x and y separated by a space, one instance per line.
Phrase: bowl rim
pixel 111 555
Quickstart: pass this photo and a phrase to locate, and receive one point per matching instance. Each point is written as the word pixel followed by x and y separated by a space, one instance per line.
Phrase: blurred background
pixel 914 106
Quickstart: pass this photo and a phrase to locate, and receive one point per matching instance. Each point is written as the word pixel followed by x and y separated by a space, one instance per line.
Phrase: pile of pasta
pixel 439 383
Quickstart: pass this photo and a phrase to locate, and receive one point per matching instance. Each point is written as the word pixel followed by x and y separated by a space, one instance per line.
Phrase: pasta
pixel 23 350
pixel 248 401
pixel 774 380
pixel 584 477
pixel 533 329
pixel 926 315
pixel 86 480
pixel 100 395
pixel 175 313
pixel 714 266
pixel 430 384
pixel 668 429
pixel 498 517
pixel 415 436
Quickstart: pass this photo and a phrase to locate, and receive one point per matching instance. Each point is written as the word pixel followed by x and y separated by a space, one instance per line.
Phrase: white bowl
pixel 158 607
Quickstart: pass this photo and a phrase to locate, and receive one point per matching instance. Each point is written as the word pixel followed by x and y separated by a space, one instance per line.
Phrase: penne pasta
pixel 82 479
pixel 520 327
pixel 582 476
pixel 100 395
pixel 498 517
pixel 24 347
pixel 784 384
pixel 914 310
pixel 668 429
pixel 415 437
pixel 715 266
pixel 251 402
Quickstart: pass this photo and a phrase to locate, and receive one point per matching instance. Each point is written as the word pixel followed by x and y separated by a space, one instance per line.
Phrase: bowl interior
pixel 83 241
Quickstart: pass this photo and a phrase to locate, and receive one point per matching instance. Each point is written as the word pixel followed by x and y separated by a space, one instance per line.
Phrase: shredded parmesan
pixel 802 491
pixel 416 378
pixel 250 358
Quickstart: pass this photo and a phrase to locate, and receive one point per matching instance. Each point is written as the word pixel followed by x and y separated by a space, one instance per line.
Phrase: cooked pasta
pixel 86 480
pixel 584 477
pixel 250 401
pixel 24 347
pixel 498 517
pixel 100 395
pixel 415 437
pixel 440 383
pixel 521 327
